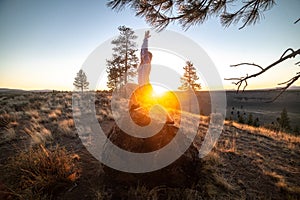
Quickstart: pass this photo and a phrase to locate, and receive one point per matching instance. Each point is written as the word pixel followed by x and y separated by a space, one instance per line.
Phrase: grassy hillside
pixel 42 157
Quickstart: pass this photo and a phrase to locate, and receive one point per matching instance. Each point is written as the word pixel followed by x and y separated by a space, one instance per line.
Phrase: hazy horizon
pixel 227 90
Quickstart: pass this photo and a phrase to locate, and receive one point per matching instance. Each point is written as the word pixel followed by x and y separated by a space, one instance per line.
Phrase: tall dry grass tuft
pixel 55 114
pixel 7 120
pixel 32 113
pixel 41 172
pixel 38 134
pixel 67 127
pixel 8 123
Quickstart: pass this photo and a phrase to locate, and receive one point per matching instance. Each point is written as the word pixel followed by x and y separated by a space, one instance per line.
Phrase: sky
pixel 43 44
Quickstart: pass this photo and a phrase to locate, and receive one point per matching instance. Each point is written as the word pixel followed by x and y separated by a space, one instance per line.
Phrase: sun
pixel 158 90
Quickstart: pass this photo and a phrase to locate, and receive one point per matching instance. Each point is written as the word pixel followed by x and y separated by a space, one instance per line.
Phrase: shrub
pixel 41 172
pixel 66 127
pixel 7 120
pixel 4 120
pixel 284 120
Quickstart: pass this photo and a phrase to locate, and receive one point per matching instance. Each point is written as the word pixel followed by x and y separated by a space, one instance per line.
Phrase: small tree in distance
pixel 284 121
pixel 80 81
pixel 250 119
pixel 189 78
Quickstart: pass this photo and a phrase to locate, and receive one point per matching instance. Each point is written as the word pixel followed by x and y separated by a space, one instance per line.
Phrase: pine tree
pixel 124 60
pixel 241 119
pixel 250 119
pixel 189 78
pixel 114 71
pixel 284 121
pixel 256 122
pixel 113 78
pixel 80 81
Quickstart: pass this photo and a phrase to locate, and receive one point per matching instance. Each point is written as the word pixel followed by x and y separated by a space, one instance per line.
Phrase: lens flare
pixel 158 91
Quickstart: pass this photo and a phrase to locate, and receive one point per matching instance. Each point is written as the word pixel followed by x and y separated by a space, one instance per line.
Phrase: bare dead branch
pixel 289 49
pixel 288 84
pixel 252 64
pixel 287 81
pixel 243 80
pixel 246 84
pixel 297 21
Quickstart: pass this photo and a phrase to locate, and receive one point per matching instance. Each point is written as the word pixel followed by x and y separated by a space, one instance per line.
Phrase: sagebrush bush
pixel 41 172
pixel 6 120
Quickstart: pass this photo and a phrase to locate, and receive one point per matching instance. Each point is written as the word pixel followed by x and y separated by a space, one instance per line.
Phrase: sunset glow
pixel 158 90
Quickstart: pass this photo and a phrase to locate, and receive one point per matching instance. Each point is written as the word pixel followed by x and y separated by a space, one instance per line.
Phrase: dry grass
pixel 100 192
pixel 7 135
pixel 281 182
pixel 8 120
pixel 32 113
pixel 55 114
pixel 162 192
pixel 67 127
pixel 277 135
pixel 38 133
pixel 40 172
pixel 8 123
pixel 66 124
pixel 52 116
pixel 228 145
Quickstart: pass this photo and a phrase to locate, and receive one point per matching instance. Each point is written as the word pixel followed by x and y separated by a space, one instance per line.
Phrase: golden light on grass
pixel 277 135
pixel 40 172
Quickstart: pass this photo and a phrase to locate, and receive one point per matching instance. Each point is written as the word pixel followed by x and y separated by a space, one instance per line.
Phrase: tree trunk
pixel 190 102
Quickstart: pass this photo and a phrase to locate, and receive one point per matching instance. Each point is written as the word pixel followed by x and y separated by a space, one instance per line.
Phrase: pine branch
pixel 159 14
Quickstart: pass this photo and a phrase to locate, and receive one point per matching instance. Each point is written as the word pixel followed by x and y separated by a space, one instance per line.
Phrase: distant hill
pixel 294 88
pixel 8 90
pixel 44 90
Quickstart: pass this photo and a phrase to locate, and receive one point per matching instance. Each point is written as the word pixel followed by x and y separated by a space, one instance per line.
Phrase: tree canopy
pixel 284 120
pixel 189 78
pixel 120 67
pixel 80 81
